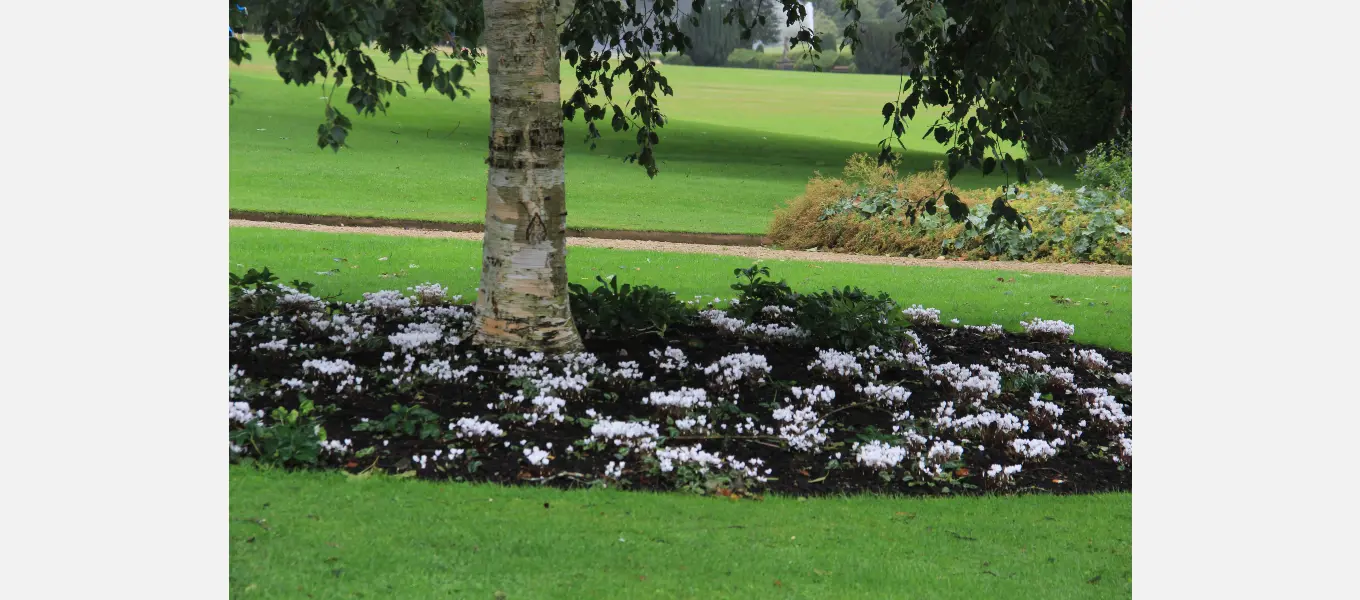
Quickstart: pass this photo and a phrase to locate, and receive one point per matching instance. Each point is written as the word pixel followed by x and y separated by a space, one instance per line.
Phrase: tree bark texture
pixel 523 301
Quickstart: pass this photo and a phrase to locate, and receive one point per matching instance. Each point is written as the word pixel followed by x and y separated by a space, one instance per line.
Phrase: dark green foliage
pixel 321 41
pixel 1109 166
pixel 611 310
pixel 408 421
pixel 879 51
pixel 995 66
pixel 711 40
pixel 759 291
pixel 848 318
pixel 257 293
pixel 851 318
pixel 287 438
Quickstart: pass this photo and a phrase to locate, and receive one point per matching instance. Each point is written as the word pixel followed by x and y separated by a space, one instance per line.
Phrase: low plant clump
pixel 770 390
pixel 864 213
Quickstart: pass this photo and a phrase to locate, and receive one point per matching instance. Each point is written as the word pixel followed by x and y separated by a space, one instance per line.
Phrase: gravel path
pixel 743 251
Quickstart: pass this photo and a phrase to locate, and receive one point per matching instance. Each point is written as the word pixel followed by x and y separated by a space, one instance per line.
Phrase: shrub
pixel 844 318
pixel 711 40
pixel 860 213
pixel 879 52
pixel 256 293
pixel 611 310
pixel 288 438
pixel 851 318
pixel 1109 166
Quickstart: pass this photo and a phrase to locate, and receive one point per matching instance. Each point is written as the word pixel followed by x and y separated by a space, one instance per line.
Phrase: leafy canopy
pixel 991 65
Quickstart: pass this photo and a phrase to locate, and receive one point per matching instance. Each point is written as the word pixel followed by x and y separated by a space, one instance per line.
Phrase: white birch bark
pixel 522 301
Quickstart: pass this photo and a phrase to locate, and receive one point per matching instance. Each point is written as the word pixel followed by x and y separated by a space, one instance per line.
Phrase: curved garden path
pixel 754 252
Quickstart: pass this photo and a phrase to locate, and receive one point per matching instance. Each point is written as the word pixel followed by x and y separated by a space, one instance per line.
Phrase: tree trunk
pixel 522 301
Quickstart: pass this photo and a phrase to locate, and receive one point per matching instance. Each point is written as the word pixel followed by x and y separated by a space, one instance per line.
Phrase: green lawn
pixel 1103 315
pixel 740 143
pixel 324 535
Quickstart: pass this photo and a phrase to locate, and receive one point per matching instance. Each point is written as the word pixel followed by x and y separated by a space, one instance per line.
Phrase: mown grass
pixel 740 142
pixel 326 535
pixel 1102 313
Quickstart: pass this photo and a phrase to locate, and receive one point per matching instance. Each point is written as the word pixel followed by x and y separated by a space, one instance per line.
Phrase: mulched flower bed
pixel 395 385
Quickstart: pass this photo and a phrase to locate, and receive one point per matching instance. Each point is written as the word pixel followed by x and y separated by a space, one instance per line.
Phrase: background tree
pixel 988 63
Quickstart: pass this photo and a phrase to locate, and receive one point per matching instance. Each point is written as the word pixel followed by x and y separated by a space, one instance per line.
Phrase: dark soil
pixel 1083 465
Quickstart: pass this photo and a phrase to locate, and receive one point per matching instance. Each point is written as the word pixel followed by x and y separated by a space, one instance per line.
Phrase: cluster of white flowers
pixel 274 345
pixel 698 424
pixel 1060 377
pixel 628 370
pixel 414 336
pixel 748 468
pixel 241 413
pixel 879 455
pixel 689 455
pixel 337 446
pixel 641 435
pixel 836 363
pixel 992 331
pixel 670 458
pixel 1033 357
pixel 614 470
pixel 990 421
pixel 920 315
pixel 561 384
pixel 1047 410
pixel 1091 360
pixel 340 369
pixel 736 368
pixel 537 457
pixel 777 311
pixel 547 406
pixel 750 426
pixel 387 303
pixel 294 301
pixel 683 398
pixel 1124 379
pixel 1002 475
pixel 941 452
pixel 814 394
pixel 719 319
pixel 235 380
pixel 292 383
pixel 802 428
pixel 441 369
pixel 346 329
pixel 583 363
pixel 429 293
pixel 891 395
pixel 1104 407
pixel 1036 449
pixel 1125 449
pixel 327 366
pixel 1043 328
pixel 775 331
pixel 468 427
pixel 675 359
pixel 976 383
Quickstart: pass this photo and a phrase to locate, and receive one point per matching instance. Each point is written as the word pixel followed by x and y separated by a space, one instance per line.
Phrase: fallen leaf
pixel 778 583
pixel 642 578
